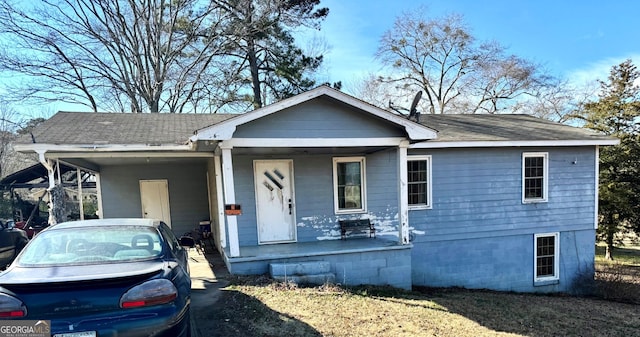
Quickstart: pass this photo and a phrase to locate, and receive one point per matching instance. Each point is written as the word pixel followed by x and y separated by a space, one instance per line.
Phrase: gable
pixel 227 129
pixel 321 117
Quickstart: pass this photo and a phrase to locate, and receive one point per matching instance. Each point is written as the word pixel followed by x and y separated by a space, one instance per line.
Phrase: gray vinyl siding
pixel 245 197
pixel 382 191
pixel 314 207
pixel 120 186
pixel 319 118
pixel 479 234
pixel 214 203
pixel 478 192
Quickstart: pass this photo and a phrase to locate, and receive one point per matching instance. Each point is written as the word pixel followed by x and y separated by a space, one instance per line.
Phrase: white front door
pixel 154 195
pixel 275 201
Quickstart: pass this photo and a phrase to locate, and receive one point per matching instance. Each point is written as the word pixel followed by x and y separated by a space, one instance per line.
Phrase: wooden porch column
pixel 597 184
pixel 230 198
pixel 80 205
pixel 99 195
pixel 403 194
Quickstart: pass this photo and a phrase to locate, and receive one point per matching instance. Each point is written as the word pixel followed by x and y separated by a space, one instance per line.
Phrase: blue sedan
pixel 96 278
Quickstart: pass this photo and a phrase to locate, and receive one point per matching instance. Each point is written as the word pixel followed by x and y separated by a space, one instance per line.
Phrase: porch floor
pixel 316 248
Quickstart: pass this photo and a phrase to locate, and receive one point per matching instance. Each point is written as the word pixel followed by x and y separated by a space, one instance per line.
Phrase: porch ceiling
pixel 115 160
pixel 308 151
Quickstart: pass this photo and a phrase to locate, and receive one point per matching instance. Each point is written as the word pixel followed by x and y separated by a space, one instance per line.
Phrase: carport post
pixel 80 206
pixel 222 231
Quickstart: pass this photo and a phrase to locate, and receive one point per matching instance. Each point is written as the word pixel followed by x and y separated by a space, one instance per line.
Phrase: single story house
pixel 503 202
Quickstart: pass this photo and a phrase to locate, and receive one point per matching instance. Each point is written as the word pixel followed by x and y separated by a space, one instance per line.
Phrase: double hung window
pixel 419 182
pixel 535 177
pixel 546 248
pixel 349 185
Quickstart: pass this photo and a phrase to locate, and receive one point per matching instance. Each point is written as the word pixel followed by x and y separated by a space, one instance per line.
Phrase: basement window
pixel 546 260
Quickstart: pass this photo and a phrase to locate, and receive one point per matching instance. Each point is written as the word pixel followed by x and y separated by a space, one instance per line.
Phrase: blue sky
pixel 577 40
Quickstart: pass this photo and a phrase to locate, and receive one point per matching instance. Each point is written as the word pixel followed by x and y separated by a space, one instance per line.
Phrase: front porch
pixel 377 261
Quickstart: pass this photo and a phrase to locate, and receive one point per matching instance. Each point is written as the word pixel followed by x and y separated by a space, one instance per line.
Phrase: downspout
pixel 48 166
pixel 52 182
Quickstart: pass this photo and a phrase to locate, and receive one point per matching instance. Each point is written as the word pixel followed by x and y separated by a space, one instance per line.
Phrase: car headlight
pixel 11 307
pixel 149 293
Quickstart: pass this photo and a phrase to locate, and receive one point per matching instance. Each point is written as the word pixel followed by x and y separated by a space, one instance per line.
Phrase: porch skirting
pixel 354 261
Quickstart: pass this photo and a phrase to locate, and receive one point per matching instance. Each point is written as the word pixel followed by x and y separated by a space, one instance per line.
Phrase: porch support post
pixel 222 232
pixel 597 184
pixel 230 198
pixel 80 204
pixel 403 194
pixel 99 195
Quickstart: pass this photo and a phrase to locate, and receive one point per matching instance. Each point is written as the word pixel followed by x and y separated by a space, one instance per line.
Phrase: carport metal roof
pixel 36 176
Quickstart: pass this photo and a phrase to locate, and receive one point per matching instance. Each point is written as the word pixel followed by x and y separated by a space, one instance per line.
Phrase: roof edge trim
pixel 38 147
pixel 523 143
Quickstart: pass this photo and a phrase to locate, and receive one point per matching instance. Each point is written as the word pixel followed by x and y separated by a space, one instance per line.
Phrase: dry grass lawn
pixel 259 307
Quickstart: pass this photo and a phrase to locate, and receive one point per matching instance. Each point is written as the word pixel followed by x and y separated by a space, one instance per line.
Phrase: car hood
pixel 77 273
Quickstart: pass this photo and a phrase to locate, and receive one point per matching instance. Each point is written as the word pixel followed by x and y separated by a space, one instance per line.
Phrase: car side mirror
pixel 11 225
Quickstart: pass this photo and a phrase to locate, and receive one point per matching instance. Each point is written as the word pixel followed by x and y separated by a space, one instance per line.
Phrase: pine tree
pixel 617 113
pixel 262 50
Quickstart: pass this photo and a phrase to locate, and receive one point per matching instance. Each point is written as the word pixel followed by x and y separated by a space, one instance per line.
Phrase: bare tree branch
pixel 147 55
pixel 442 58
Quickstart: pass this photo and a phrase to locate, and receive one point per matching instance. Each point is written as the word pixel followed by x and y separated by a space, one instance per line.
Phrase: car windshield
pixel 92 245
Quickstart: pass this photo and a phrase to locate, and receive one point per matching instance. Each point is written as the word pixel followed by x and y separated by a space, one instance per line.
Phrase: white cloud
pixel 598 70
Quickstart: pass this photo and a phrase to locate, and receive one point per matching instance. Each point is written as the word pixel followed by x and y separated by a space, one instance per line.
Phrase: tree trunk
pixel 154 106
pixel 255 79
pixel 608 253
pixel 57 205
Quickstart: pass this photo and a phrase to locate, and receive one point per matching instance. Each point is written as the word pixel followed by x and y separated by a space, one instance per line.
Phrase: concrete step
pixel 299 268
pixel 317 279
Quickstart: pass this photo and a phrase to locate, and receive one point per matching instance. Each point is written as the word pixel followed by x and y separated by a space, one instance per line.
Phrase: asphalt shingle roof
pixel 121 128
pixel 499 127
pixel 148 128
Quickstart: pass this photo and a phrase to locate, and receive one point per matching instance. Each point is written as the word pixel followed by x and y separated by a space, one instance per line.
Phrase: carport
pixel 37 178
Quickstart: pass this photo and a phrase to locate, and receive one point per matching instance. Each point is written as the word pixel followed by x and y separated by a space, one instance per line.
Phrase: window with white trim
pixel 349 185
pixel 547 251
pixel 419 182
pixel 535 176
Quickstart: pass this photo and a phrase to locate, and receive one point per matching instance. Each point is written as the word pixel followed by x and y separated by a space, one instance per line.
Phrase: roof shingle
pixel 126 128
pixel 121 128
pixel 499 127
